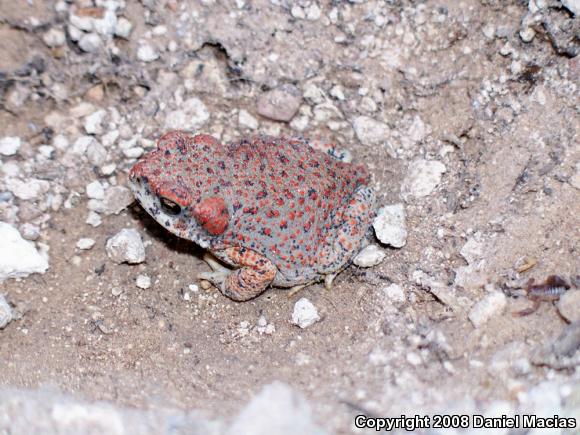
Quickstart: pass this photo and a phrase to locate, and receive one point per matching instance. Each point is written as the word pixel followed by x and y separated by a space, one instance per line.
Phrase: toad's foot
pixel 255 273
pixel 328 280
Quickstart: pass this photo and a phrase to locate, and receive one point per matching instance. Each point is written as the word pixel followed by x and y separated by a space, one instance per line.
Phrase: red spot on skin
pixel 205 139
pixel 212 214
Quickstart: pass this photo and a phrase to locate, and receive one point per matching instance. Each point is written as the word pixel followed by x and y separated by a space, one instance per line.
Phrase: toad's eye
pixel 170 207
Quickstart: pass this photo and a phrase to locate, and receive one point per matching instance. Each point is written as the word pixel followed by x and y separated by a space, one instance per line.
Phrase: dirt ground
pixel 487 88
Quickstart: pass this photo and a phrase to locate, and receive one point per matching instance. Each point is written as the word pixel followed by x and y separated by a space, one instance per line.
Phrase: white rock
pixel 370 256
pixel 390 225
pixel 74 33
pixel 313 94
pixel 569 305
pixel 418 130
pixel 313 12
pixel 143 282
pixel 9 145
pixel 85 244
pixel 245 119
pixel 369 131
pixel 54 37
pixel 192 115
pixel 31 189
pixel 117 199
pixel 10 169
pixel 81 22
pixel 472 251
pixel 6 315
pixel 305 313
pixel 107 24
pixel 572 5
pixel 492 304
pixel 423 176
pixel 147 53
pixel 95 190
pixel 93 123
pixel 94 219
pixel 395 293
pixel 18 257
pixel 90 42
pixel 298 12
pixel 280 104
pixel 126 247
pixel 123 28
pixel 96 154
pixel 277 409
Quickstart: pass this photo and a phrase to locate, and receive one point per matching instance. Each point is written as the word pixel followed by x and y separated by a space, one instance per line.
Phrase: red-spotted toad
pixel 277 210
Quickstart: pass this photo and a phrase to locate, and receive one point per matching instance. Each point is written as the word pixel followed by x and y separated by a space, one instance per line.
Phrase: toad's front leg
pixel 254 275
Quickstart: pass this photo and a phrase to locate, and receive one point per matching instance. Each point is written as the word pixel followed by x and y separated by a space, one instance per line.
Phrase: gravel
pixel 6 314
pixel 143 282
pixel 370 256
pixel 280 104
pixel 117 199
pixel 423 176
pixel 126 247
pixel 569 305
pixel 369 131
pixel 191 115
pixel 491 305
pixel 9 145
pixel 147 53
pixel 85 244
pixel 390 225
pixel 305 313
pixel 91 42
pixel 18 257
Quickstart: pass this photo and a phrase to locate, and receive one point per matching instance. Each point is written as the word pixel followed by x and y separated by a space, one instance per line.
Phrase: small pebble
pixel 146 53
pixel 143 282
pixel 126 247
pixel 123 28
pixel 390 225
pixel 85 244
pixel 193 287
pixel 54 38
pixel 370 256
pixel 116 291
pixel 6 315
pixel 90 42
pixel 395 293
pixel 280 104
pixel 491 305
pixel 369 131
pixel 245 119
pixel 191 115
pixel 423 176
pixel 95 190
pixel 9 145
pixel 305 313
pixel 94 219
pixel 117 199
pixel 569 305
pixel 29 231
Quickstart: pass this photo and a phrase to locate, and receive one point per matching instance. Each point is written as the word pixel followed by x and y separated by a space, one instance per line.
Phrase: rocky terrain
pixel 466 114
